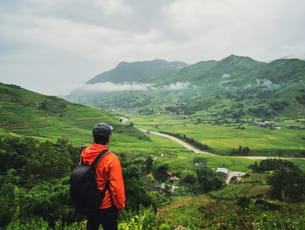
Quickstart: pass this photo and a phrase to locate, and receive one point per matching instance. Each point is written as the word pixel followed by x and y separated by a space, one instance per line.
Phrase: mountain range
pixel 233 87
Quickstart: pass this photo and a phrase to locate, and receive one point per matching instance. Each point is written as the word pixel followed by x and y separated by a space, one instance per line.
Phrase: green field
pixel 222 139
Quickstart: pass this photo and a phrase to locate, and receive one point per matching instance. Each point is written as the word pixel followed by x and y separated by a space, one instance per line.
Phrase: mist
pixel 126 86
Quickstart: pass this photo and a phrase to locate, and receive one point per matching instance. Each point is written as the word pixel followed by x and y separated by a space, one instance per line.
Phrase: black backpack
pixel 83 186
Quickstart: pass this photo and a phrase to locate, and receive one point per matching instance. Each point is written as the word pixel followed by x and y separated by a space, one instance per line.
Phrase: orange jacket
pixel 108 168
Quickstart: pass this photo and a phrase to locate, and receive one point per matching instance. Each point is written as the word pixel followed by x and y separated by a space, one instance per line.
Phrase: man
pixel 108 169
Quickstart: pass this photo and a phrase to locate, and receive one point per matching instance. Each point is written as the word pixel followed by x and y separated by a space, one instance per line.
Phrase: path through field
pixel 179 141
pixel 196 150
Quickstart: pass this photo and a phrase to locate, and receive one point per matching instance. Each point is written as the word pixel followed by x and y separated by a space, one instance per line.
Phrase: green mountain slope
pixel 145 71
pixel 234 87
pixel 27 113
pixel 232 66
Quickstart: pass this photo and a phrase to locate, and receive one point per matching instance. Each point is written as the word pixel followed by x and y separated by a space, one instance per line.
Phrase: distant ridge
pixel 233 87
pixel 138 71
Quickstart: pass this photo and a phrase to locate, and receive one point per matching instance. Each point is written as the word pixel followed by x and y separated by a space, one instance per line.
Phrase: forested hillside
pixel 234 88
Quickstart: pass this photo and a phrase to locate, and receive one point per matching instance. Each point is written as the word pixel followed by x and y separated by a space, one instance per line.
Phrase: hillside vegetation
pixel 167 186
pixel 233 88
pixel 26 113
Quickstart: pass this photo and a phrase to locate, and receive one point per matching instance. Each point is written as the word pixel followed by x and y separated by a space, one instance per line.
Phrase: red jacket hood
pixel 90 153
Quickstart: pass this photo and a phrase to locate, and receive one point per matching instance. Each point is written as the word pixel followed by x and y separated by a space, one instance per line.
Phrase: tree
pixel 200 162
pixel 8 205
pixel 271 164
pixel 136 195
pixel 149 164
pixel 288 184
pixel 161 172
pixel 207 179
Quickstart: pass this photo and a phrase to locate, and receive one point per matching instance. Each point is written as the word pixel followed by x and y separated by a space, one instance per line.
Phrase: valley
pixel 226 139
pixel 214 145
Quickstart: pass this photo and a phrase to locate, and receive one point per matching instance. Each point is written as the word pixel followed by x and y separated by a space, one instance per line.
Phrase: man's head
pixel 101 133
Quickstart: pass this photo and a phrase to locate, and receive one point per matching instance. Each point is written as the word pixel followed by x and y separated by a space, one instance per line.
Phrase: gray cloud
pixel 52 45
pixel 134 86
pixel 177 86
pixel 113 87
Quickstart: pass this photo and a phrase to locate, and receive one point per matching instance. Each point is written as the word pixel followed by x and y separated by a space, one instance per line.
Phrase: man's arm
pixel 117 183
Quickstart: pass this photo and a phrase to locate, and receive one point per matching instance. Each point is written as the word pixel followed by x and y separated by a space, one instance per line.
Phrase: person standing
pixel 108 176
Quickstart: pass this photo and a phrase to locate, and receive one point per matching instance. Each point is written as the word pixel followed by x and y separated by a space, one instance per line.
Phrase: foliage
pixel 136 195
pixel 48 201
pixel 34 184
pixel 8 204
pixel 200 212
pixel 242 150
pixel 207 179
pixel 288 183
pixel 161 172
pixel 148 164
pixel 143 220
pixel 271 164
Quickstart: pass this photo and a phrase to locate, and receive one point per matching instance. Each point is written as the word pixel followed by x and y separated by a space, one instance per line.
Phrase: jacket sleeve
pixel 117 183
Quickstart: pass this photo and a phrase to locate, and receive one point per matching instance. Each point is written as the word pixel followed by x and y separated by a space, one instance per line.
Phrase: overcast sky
pixel 52 46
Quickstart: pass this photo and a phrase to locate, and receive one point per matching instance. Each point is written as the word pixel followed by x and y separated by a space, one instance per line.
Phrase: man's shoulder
pixel 113 155
pixel 83 147
pixel 113 158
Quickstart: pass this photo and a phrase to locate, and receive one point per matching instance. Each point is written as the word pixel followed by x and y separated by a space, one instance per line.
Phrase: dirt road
pixel 196 150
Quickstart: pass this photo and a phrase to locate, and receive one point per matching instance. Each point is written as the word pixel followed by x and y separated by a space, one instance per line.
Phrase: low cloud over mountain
pixel 127 86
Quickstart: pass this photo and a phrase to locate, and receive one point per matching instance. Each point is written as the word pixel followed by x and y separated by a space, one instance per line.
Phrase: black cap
pixel 102 129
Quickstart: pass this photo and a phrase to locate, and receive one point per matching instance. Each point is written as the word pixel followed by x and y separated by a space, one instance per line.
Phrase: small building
pixel 234 177
pixel 222 171
pixel 230 176
pixel 265 123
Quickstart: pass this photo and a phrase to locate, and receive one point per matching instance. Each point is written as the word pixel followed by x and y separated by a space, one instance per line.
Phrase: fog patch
pixel 248 86
pixel 226 75
pixel 126 86
pixel 266 83
pixel 177 86
pixel 112 87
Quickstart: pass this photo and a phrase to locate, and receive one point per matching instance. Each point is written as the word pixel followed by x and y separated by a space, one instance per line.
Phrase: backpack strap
pixel 99 157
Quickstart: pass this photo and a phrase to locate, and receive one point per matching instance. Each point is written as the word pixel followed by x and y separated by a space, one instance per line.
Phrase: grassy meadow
pixel 222 139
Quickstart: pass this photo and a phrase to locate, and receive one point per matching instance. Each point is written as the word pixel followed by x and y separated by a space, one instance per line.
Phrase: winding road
pixel 196 150
pixel 177 140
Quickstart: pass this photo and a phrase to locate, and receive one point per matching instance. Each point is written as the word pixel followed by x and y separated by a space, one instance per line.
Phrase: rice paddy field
pixel 222 139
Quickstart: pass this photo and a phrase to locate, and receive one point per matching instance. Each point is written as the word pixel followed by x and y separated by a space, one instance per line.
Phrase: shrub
pixel 288 184
pixel 271 164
